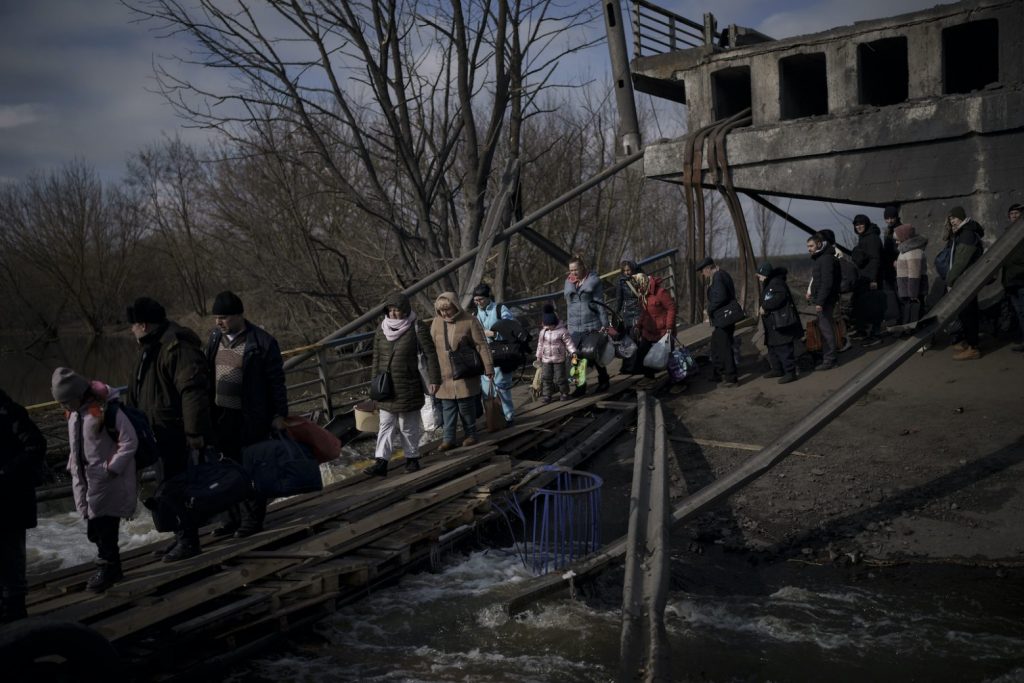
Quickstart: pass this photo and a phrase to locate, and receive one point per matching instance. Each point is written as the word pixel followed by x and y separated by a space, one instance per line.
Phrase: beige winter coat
pixel 462 326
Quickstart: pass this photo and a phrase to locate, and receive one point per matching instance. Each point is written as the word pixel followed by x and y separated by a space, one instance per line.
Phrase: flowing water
pixel 733 622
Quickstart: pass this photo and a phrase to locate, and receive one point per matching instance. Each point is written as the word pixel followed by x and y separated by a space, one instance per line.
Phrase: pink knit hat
pixel 904 232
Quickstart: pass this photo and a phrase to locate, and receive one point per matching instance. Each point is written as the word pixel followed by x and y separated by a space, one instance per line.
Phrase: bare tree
pixel 171 181
pixel 767 229
pixel 69 228
pixel 401 108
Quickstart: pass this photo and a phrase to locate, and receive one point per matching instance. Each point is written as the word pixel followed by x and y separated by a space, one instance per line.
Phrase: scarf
pixel 641 286
pixel 395 327
pixel 453 299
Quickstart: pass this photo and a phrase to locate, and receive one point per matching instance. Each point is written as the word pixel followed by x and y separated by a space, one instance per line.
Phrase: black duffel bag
pixel 282 467
pixel 210 485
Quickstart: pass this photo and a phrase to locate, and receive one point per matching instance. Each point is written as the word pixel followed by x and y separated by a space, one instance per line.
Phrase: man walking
pixel 824 294
pixel 249 399
pixel 723 312
pixel 966 248
pixel 169 386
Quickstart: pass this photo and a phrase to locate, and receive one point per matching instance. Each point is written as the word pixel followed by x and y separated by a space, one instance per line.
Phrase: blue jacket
pixel 582 315
pixel 488 315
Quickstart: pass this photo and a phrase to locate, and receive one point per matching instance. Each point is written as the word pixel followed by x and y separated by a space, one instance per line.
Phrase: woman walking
pixel 453 330
pixel 582 289
pixel 396 347
pixel 657 313
pixel 102 466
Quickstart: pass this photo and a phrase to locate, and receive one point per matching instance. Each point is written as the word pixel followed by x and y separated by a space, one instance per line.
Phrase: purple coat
pixel 102 470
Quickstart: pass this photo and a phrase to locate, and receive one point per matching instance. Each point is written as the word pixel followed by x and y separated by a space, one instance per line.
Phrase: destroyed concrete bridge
pixel 924 110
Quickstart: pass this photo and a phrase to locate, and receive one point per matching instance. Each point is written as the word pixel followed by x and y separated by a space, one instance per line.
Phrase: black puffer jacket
pixel 825 271
pixel 867 255
pixel 721 292
pixel 170 386
pixel 775 296
pixel 402 354
pixel 264 395
pixel 627 304
pixel 22 450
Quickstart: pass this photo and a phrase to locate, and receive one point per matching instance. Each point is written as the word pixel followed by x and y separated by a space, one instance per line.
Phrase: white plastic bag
pixel 657 357
pixel 430 413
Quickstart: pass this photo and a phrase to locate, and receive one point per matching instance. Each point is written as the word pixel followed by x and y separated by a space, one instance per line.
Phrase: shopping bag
pixel 681 364
pixel 494 414
pixel 578 373
pixel 657 357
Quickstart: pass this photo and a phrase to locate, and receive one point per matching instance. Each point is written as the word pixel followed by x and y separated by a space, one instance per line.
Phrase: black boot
pixel 378 469
pixel 412 464
pixel 186 547
pixel 106 576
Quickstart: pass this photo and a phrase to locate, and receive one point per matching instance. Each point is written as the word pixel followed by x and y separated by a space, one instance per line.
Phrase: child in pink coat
pixel 553 346
pixel 102 466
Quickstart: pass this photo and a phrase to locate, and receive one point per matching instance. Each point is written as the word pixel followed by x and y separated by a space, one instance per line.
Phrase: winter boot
pixel 412 464
pixel 106 576
pixel 378 469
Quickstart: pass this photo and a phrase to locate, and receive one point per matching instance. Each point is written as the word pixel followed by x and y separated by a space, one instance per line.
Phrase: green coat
pixel 404 366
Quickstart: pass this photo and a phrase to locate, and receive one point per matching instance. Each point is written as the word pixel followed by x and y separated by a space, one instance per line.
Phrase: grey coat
pixel 102 470
pixel 404 366
pixel 582 315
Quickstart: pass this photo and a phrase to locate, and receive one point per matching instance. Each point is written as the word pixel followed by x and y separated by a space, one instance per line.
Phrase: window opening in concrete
pixel 882 71
pixel 970 56
pixel 803 86
pixel 730 89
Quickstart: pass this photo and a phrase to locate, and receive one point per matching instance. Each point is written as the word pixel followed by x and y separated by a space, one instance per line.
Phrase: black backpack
pixel 147 454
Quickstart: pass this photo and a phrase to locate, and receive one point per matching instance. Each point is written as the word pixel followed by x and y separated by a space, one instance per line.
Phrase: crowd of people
pixel 230 393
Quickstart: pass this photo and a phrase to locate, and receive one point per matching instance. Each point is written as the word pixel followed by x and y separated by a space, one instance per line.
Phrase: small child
pixel 102 467
pixel 553 344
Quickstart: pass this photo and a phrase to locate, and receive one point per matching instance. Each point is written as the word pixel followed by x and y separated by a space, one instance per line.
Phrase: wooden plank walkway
pixel 318 551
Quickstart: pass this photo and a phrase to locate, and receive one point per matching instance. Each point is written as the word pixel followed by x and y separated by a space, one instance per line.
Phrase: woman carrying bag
pixel 657 315
pixel 463 356
pixel 397 344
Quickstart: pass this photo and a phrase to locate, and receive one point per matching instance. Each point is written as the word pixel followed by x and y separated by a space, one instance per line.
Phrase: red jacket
pixel 658 317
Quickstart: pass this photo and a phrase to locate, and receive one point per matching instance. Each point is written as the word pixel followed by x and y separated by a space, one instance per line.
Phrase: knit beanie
pixel 861 219
pixel 483 289
pixel 67 385
pixel 227 303
pixel 891 212
pixel 829 235
pixel 904 232
pixel 958 212
pixel 146 310
pixel 401 302
pixel 765 269
pixel 549 317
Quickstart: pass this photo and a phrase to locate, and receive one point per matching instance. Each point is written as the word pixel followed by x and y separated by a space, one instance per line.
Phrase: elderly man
pixel 723 312
pixel 169 385
pixel 249 399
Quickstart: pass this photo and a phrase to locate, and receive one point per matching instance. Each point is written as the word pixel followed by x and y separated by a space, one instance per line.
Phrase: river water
pixel 727 621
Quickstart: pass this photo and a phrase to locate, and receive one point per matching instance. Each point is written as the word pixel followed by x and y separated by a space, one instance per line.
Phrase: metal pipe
pixel 629 126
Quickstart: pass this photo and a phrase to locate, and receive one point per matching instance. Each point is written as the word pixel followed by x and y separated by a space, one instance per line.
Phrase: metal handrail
pixel 650 22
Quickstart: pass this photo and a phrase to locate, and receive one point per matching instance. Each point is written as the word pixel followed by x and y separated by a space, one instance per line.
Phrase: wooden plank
pixel 731 445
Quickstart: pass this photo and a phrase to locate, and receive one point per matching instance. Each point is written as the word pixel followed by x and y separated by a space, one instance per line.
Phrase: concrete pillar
pixel 764 84
pixel 924 61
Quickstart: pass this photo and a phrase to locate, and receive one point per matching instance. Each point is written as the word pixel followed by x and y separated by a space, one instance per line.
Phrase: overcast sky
pixel 76 75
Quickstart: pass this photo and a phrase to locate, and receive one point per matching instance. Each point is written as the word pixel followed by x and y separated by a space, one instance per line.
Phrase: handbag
pixel 382 386
pixel 785 317
pixel 729 314
pixel 494 414
pixel 464 359
pixel 506 355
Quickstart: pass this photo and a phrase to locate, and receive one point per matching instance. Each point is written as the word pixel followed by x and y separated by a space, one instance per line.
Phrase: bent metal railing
pixel 658 31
